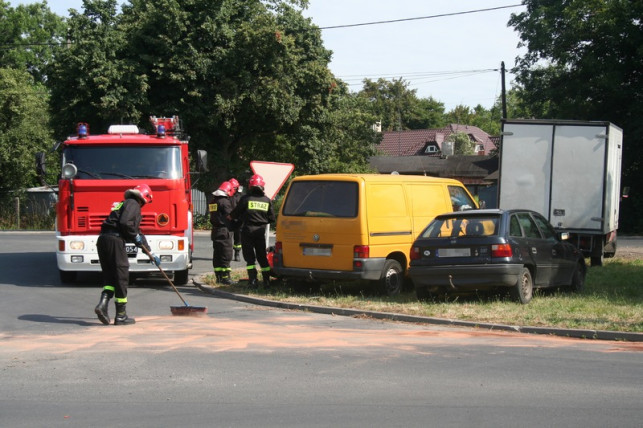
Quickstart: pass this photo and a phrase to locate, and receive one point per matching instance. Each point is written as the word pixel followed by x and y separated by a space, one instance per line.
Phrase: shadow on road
pixel 55 320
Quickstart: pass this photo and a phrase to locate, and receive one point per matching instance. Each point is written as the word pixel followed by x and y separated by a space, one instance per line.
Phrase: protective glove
pixel 156 259
pixel 138 240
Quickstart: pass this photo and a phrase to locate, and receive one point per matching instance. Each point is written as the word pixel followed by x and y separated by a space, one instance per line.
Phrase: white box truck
pixel 569 171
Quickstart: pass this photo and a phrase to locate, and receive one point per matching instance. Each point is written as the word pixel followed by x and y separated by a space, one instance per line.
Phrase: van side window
pixel 460 200
pixel 322 199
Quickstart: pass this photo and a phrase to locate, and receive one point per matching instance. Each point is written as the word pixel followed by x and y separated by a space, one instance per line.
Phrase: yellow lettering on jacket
pixel 258 206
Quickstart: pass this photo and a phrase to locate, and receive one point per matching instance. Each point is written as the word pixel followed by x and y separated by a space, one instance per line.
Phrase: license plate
pixel 454 252
pixel 131 249
pixel 316 251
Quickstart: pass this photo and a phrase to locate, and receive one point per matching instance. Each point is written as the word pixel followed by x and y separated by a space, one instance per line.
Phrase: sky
pixel 455 59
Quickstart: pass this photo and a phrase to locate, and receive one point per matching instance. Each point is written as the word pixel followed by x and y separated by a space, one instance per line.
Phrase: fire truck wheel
pixel 181 277
pixel 67 276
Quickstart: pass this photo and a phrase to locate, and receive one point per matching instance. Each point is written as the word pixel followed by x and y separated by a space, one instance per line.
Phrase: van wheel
pixel 392 278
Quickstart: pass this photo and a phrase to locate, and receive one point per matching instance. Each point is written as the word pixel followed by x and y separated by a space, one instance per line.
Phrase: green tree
pixel 23 130
pixel 398 107
pixel 28 35
pixel 584 62
pixel 91 79
pixel 462 144
pixel 243 73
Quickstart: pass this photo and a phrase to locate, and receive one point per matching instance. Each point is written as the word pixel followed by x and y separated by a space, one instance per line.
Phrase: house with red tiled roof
pixel 423 142
pixel 427 152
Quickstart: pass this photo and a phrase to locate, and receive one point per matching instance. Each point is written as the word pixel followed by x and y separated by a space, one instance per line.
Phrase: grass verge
pixel 612 300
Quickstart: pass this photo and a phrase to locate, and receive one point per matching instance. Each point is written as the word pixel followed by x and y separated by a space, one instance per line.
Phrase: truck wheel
pixel 578 279
pixel 596 260
pixel 392 278
pixel 181 277
pixel 524 288
pixel 67 276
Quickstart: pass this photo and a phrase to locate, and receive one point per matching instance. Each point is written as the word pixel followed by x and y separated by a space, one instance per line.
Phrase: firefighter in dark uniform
pixel 220 208
pixel 254 211
pixel 121 226
pixel 236 228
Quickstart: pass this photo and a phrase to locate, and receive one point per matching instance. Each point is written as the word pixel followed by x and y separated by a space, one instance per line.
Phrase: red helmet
pixel 142 192
pixel 234 183
pixel 256 181
pixel 227 188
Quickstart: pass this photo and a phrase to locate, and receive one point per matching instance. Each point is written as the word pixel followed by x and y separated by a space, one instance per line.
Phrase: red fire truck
pixel 96 171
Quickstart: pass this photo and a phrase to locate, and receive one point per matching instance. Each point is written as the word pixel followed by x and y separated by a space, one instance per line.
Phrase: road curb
pixel 572 333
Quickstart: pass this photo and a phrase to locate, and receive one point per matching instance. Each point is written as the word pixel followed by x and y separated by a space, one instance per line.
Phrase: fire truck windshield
pixel 118 162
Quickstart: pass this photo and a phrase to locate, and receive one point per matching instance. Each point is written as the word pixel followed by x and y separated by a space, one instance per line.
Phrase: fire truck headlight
pixel 166 259
pixel 76 259
pixel 165 244
pixel 76 245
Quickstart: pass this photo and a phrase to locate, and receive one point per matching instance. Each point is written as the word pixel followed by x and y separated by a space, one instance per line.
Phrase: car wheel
pixel 524 288
pixel 392 278
pixel 578 279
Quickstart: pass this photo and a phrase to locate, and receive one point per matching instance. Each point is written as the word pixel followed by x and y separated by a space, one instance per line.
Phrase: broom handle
pixel 165 275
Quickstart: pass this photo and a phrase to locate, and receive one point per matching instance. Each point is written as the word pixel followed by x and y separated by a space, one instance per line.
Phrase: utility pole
pixel 504 92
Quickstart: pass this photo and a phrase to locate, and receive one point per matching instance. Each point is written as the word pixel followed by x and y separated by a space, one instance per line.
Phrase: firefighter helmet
pixel 234 183
pixel 226 187
pixel 256 181
pixel 142 192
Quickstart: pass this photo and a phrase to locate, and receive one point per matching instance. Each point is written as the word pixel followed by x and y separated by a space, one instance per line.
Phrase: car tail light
pixel 361 252
pixel 501 250
pixel 415 253
pixel 278 247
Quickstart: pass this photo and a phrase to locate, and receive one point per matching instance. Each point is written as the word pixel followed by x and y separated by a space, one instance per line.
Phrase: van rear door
pixel 319 224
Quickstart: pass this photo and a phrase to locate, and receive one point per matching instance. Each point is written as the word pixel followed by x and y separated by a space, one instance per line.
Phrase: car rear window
pixel 321 199
pixel 458 226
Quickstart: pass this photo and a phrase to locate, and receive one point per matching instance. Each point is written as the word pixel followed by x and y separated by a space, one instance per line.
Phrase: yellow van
pixel 359 226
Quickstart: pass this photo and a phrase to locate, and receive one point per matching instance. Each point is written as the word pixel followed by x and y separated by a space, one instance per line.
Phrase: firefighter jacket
pixel 254 210
pixel 220 207
pixel 124 220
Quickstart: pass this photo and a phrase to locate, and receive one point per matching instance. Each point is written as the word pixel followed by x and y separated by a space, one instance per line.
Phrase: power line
pixel 442 15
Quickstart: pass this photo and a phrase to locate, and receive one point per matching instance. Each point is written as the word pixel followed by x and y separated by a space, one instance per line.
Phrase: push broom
pixel 179 310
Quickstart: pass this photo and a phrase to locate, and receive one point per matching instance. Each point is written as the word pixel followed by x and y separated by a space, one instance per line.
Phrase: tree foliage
pixel 23 130
pixel 584 62
pixel 28 35
pixel 92 80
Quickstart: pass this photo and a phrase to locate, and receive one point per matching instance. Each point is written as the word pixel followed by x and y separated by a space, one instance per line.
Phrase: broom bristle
pixel 189 310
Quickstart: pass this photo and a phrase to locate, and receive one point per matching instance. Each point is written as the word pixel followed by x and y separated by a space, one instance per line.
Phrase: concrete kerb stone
pixel 552 331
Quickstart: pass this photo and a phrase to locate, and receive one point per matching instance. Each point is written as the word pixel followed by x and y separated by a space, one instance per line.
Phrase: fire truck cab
pixel 96 171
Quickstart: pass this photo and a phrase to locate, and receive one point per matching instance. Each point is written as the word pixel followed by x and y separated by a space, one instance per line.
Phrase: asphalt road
pixel 251 366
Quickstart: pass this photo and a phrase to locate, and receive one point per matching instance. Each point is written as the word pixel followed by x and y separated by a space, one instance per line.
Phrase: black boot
pixel 265 276
pixel 217 274
pixel 101 308
pixel 225 279
pixel 252 278
pixel 121 315
pixel 236 256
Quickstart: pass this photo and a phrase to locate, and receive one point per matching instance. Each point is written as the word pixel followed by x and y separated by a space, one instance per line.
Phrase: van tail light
pixel 415 253
pixel 501 250
pixel 278 247
pixel 361 252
